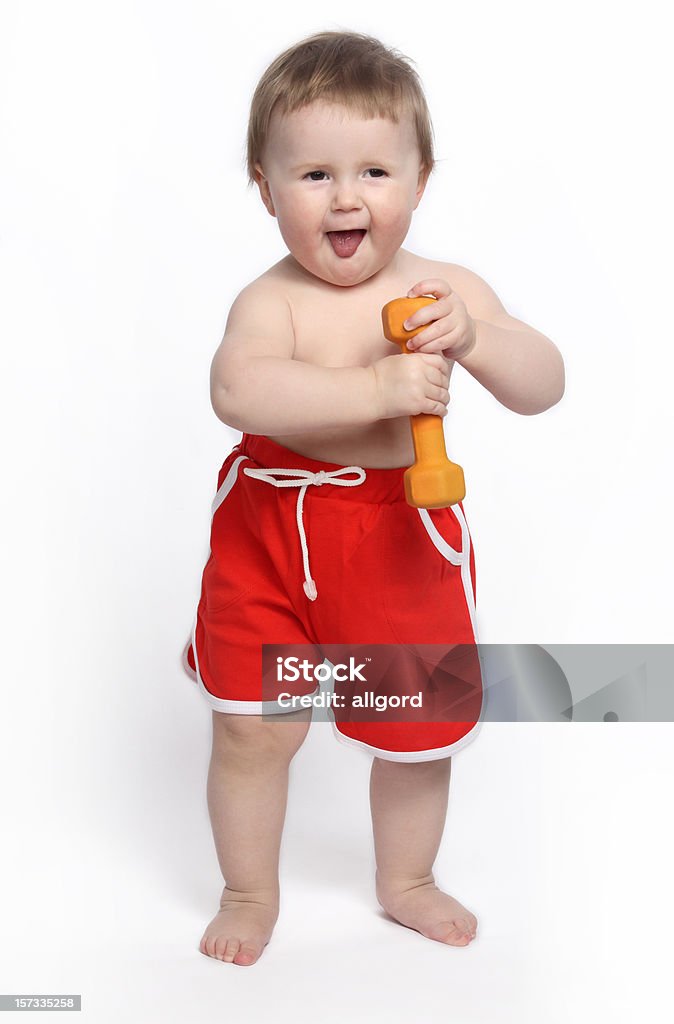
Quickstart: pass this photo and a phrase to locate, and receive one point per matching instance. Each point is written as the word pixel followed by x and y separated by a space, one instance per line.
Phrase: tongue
pixel 345 243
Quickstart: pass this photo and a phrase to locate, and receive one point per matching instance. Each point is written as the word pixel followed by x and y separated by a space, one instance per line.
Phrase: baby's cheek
pixel 392 223
pixel 395 219
pixel 294 227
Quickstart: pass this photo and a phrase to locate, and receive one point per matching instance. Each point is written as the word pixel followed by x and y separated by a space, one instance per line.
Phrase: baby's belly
pixel 381 445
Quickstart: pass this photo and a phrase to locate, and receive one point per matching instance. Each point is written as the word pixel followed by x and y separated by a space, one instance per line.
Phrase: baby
pixel 312 540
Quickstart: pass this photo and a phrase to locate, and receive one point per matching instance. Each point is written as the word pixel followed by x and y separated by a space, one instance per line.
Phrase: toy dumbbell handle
pixel 433 481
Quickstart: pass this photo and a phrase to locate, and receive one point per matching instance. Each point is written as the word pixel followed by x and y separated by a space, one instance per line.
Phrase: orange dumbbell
pixel 433 481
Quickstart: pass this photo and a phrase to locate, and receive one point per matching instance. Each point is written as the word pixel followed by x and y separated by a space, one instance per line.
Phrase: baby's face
pixel 326 170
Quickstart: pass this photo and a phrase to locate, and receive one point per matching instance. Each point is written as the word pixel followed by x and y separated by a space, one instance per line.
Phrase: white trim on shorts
pixel 236 707
pixel 407 756
pixel 250 707
pixel 461 558
pixel 227 484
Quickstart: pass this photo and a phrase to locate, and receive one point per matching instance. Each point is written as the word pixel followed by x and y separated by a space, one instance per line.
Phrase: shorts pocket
pixel 224 579
pixel 444 529
pixel 427 588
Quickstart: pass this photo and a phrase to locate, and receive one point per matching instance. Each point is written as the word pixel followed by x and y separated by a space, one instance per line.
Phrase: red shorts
pixel 309 553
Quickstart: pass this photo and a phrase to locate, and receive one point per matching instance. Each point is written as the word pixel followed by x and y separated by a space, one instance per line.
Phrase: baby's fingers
pixel 431 286
pixel 440 395
pixel 434 359
pixel 428 315
pixel 428 346
pixel 436 369
pixel 438 406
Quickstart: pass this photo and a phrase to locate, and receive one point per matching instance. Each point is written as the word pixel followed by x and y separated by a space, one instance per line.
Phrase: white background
pixel 126 230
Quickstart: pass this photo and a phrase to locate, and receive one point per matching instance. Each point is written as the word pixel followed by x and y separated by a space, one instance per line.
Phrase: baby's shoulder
pixel 268 284
pixel 266 296
pixel 479 297
pixel 271 292
pixel 259 317
pixel 425 268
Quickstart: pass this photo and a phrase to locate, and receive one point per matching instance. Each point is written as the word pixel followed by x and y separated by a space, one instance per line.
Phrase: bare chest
pixel 340 333
pixel 344 328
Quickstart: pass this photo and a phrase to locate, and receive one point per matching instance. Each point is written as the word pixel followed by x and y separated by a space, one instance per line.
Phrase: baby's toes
pixel 451 932
pixel 208 944
pixel 469 924
pixel 247 954
pixel 226 949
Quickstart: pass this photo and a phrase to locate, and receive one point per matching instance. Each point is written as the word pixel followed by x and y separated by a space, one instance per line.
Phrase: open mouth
pixel 345 243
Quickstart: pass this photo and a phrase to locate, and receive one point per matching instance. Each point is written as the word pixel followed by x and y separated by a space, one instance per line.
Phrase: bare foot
pixel 430 911
pixel 241 929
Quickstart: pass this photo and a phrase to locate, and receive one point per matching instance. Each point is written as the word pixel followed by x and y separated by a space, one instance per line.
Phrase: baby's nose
pixel 346 197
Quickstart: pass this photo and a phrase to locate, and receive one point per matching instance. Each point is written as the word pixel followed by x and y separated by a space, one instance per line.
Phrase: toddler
pixel 312 541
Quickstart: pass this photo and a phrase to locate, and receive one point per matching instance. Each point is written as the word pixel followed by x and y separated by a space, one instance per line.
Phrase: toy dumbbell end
pixel 426 487
pixel 433 481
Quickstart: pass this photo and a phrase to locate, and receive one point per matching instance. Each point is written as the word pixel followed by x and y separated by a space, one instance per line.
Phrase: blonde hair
pixel 347 68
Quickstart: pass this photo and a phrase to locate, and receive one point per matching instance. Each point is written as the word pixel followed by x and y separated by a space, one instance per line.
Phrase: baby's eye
pixel 310 175
pixel 376 172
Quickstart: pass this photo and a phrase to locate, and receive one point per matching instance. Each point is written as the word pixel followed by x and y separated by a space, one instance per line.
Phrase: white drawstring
pixel 304 479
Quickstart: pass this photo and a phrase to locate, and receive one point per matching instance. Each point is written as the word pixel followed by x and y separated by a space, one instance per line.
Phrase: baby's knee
pixel 259 737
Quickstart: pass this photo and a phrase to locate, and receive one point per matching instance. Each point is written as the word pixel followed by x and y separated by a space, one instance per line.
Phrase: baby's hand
pixel 409 386
pixel 453 329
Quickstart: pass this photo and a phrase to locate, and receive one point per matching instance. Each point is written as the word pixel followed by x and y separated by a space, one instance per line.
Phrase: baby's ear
pixel 424 174
pixel 263 186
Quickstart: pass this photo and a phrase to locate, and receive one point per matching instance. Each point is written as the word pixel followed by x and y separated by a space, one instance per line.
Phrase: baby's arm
pixel 520 366
pixel 256 385
pixel 259 388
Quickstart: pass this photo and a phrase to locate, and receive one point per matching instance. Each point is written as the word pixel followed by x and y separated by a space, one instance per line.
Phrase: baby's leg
pixel 409 805
pixel 247 794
